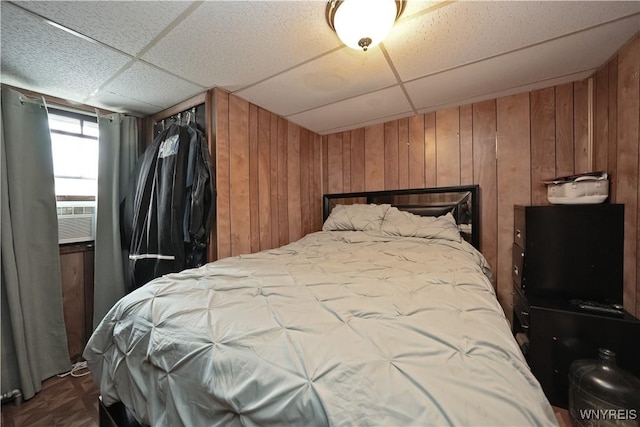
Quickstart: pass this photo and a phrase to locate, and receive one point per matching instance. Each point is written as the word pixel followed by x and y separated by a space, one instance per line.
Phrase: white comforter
pixel 340 328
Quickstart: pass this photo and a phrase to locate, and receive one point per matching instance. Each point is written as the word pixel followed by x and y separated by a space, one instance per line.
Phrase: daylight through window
pixel 74 142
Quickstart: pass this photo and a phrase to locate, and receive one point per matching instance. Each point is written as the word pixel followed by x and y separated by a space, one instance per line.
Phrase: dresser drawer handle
pixel 518 234
pixel 525 327
pixel 515 270
pixel 524 313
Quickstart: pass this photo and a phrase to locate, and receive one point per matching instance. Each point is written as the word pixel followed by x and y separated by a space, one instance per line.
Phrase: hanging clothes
pixel 168 213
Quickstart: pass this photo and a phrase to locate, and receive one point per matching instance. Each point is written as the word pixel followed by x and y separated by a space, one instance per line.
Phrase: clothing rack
pixel 192 115
pixel 182 118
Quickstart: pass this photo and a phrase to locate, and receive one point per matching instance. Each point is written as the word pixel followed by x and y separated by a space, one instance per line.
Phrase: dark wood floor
pixel 73 402
pixel 62 402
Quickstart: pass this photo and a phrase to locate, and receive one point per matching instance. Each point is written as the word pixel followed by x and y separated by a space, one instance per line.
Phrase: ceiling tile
pixel 232 44
pixel 46 59
pixel 125 25
pixel 122 104
pixel 342 74
pixel 467 31
pixel 563 56
pixel 352 112
pixel 145 82
pixel 418 6
pixel 369 122
pixel 511 91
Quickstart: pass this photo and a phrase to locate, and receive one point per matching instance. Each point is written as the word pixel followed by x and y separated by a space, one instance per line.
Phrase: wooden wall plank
pixel 357 160
pixel 346 161
pixel 430 152
pixel 305 183
pixel 317 182
pixel 274 181
pixel 374 158
pixel 89 262
pixel 466 144
pixel 403 153
pixel 628 161
pixel 239 179
pixel 613 130
pixel 485 175
pixel 391 175
pixel 334 159
pixel 582 154
pixel 293 181
pixel 283 188
pixel 254 191
pixel 325 164
pixel 514 182
pixel 448 147
pixel 564 130
pixel 73 290
pixel 223 219
pixel 601 120
pixel 264 178
pixel 417 151
pixel 543 143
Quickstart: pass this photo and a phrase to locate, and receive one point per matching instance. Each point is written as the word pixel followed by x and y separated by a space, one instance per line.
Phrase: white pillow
pixel 355 217
pixel 401 223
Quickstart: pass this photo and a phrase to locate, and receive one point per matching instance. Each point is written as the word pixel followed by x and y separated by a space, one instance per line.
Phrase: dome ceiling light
pixel 362 24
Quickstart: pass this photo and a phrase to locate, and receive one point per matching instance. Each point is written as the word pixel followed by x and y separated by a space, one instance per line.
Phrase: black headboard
pixel 462 201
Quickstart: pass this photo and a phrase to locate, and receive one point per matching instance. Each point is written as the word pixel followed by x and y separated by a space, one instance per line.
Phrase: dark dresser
pixel 569 251
pixel 563 253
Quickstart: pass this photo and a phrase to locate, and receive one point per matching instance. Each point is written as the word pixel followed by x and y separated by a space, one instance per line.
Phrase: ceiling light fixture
pixel 362 24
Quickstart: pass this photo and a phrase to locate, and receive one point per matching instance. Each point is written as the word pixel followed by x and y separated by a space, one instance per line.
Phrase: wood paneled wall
pixel 507 146
pixel 617 150
pixel 268 178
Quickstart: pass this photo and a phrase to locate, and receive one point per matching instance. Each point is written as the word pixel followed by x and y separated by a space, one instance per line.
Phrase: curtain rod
pixel 31 100
pixel 59 102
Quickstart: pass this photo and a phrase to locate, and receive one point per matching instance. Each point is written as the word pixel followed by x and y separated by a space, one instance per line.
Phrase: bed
pixel 386 317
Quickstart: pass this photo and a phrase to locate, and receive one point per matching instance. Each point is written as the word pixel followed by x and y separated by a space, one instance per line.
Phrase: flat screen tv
pixel 574 252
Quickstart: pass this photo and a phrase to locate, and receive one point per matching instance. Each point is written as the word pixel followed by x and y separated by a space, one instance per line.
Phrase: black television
pixel 573 251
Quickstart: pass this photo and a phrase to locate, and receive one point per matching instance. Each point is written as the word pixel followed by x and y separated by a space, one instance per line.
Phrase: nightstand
pixel 559 334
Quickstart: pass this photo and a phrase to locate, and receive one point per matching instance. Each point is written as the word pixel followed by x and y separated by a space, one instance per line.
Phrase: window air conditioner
pixel 76 221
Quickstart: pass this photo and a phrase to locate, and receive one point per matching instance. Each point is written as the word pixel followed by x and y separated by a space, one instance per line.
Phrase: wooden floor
pixel 73 402
pixel 562 415
pixel 68 402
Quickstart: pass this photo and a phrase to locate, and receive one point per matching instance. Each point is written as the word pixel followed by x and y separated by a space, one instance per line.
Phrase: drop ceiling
pixel 142 57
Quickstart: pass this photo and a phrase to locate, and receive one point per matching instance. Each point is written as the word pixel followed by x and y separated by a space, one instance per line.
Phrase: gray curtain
pixel 118 153
pixel 34 339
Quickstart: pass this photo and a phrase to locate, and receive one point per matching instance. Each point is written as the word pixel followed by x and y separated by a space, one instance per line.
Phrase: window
pixel 74 142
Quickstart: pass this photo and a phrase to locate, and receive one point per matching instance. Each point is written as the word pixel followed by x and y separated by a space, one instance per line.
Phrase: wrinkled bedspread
pixel 339 328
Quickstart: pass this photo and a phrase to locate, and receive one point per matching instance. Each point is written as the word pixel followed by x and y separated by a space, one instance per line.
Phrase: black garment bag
pixel 168 212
